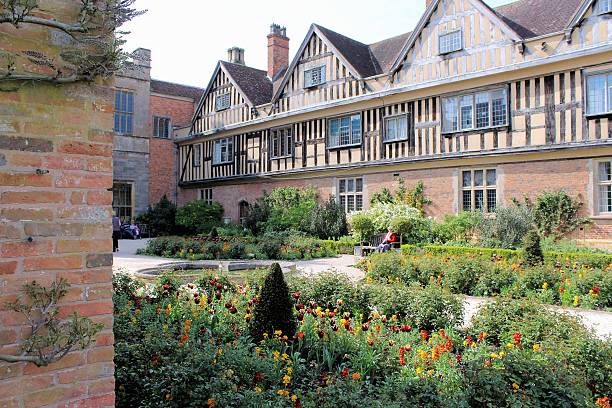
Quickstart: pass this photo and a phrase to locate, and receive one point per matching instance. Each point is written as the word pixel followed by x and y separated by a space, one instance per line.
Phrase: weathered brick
pixel 25 249
pixel 98 260
pixel 53 263
pixel 72 359
pixel 87 309
pixel 24 179
pixel 27 144
pixel 8 267
pixel 87 149
pixel 81 245
pixel 99 197
pixel 65 229
pixel 83 180
pixel 26 197
pixel 29 214
pixel 100 354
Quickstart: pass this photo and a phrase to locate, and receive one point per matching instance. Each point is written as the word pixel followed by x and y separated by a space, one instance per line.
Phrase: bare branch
pixel 68 28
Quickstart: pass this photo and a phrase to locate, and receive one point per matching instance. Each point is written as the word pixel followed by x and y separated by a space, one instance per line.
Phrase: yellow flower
pixel 510 346
pixel 276 355
pixel 430 372
pixel 278 332
pixel 515 386
pixel 258 350
pixel 419 370
pixel 494 355
pixel 294 398
pixel 545 285
pixel 356 376
pixel 536 347
pixel 286 379
pixel 576 300
pixel 502 354
pixel 289 370
pixel 285 356
pixel 258 389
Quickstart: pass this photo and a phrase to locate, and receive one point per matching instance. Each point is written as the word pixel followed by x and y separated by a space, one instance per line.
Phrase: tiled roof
pixel 170 88
pixel 533 18
pixel 386 51
pixel 255 83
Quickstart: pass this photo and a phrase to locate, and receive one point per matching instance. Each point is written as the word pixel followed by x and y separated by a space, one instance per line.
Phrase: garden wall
pixel 55 208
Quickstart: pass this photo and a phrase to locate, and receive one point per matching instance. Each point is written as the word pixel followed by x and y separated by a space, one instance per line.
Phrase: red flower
pixel 517 339
pixel 406 328
pixel 424 335
pixel 365 327
pixel 458 357
pixel 481 336
pixel 371 342
pixel 258 377
pixel 596 290
pixel 344 373
pixel 296 294
pixel 300 335
pixel 166 286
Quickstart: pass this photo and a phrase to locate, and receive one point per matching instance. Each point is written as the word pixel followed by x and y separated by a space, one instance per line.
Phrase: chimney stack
pixel 278 50
pixel 235 55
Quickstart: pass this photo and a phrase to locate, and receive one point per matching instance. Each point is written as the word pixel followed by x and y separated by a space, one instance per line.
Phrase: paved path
pixel 127 260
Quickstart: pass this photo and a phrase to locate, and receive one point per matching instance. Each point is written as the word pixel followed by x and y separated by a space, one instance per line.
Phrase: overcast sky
pixel 188 37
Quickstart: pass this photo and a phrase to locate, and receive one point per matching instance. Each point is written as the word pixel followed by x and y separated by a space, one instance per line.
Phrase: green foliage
pixel 413 230
pixel 287 207
pixel 274 308
pixel 362 226
pixel 161 218
pixel 236 250
pixel 330 290
pixel 462 275
pixel 494 281
pixel 199 216
pixel 456 228
pixel 257 216
pixel 414 197
pixel 533 250
pixel 556 214
pixel 326 220
pixel 506 228
pixel 383 196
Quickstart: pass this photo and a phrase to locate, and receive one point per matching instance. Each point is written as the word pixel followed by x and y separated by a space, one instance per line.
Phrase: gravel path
pixel 126 260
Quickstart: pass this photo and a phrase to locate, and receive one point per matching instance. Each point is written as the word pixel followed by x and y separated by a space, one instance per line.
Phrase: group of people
pixel 117 231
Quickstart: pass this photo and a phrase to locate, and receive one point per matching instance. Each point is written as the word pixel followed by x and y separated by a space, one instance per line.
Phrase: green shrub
pixel 533 251
pixel 270 246
pixel 385 266
pixel 413 230
pixel 362 226
pixel 462 274
pixel 326 289
pixel 455 228
pixel 212 250
pixel 288 206
pixel 326 220
pixel 257 216
pixel 556 214
pixel 236 250
pixel 535 277
pixel 506 229
pixel 494 281
pixel 274 308
pixel 161 218
pixel 199 216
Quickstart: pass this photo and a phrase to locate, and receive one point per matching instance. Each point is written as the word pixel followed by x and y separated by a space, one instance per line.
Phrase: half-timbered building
pixel 482 104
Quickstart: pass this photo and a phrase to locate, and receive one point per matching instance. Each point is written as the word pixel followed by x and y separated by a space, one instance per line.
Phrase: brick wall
pixel 162 152
pixel 65 130
pixel 515 180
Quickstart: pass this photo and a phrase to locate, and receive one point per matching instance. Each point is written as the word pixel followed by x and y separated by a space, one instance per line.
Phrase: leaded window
pixel 222 101
pixel 122 200
pixel 223 151
pixel 344 131
pixel 314 76
pixel 450 42
pixel 350 194
pixel 161 127
pixel 197 155
pixel 281 143
pixel 475 111
pixel 605 6
pixel 599 93
pixel 605 186
pixel 124 112
pixel 396 128
pixel 206 195
pixel 479 190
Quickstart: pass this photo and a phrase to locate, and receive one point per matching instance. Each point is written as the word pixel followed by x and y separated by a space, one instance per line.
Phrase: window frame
pixel 322 76
pixel 474 116
pixel 607 74
pixel 206 195
pixel 196 158
pixel 127 114
pixel 156 127
pixel 339 118
pixel 225 99
pixel 485 187
pixel 601 10
pixel 598 190
pixel 288 140
pixel 116 207
pixel 446 34
pixel 396 117
pixel 354 193
pixel 230 154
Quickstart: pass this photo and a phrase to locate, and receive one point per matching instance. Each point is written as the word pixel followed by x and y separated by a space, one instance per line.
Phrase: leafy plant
pixel 274 308
pixel 506 228
pixel 161 218
pixel 50 338
pixel 199 216
pixel 326 220
pixel 533 250
pixel 362 226
pixel 287 207
pixel 556 214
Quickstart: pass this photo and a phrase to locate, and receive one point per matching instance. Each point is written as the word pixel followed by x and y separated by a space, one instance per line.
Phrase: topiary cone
pixel 532 248
pixel 274 310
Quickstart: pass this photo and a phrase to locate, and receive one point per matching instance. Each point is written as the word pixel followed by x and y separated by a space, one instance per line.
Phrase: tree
pixel 274 309
pixel 90 42
pixel 161 218
pixel 555 214
pixel 199 216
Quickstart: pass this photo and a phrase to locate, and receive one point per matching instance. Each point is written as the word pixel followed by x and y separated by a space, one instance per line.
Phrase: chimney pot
pixel 278 50
pixel 235 55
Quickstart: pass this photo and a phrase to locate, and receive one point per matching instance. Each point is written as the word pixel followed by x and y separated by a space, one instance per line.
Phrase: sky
pixel 188 37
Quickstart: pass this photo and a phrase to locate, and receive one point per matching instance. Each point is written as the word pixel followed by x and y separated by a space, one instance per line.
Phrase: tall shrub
pixel 533 250
pixel 161 218
pixel 507 228
pixel 199 216
pixel 362 226
pixel 556 214
pixel 274 310
pixel 257 216
pixel 287 207
pixel 326 220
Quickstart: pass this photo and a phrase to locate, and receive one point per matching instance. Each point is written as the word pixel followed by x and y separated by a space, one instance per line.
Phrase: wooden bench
pixel 372 244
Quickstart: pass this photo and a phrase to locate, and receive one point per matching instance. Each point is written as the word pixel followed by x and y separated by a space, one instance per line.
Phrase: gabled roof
pixel 385 52
pixel 534 18
pixel 174 89
pixel 253 83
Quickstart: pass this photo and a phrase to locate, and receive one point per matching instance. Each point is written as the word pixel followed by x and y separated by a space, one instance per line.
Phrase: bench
pixel 372 244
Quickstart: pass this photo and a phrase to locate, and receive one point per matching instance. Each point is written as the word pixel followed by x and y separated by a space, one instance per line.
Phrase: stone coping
pixel 214 265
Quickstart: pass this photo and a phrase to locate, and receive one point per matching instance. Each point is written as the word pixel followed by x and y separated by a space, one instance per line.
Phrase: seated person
pixel 389 240
pixel 134 229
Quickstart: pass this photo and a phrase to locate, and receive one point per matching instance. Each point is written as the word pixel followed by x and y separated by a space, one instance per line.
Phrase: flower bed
pixel 491 273
pixel 181 346
pixel 281 247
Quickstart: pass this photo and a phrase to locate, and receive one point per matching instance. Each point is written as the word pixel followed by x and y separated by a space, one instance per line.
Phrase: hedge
pixel 594 260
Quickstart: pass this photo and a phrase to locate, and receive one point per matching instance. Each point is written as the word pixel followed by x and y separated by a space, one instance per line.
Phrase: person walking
pixel 116 232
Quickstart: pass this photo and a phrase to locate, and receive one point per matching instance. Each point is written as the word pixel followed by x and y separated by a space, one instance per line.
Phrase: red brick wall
pixel 65 130
pixel 442 186
pixel 162 152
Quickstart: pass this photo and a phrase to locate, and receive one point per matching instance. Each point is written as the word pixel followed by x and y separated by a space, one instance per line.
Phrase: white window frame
pixel 124 112
pixel 165 130
pixel 353 136
pixel 447 41
pixel 604 7
pixel 223 150
pixel 607 97
pixel 350 193
pixel 281 142
pixel 222 101
pixel 601 186
pixel 397 137
pixel 472 125
pixel 311 74
pixel 472 188
pixel 197 155
pixel 206 195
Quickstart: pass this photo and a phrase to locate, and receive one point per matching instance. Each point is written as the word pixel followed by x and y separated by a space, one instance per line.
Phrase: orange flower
pixel 300 335
pixel 184 337
pixel 211 402
pixel 356 376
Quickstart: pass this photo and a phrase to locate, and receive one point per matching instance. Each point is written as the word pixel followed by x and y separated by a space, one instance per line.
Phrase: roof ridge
pixel 177 83
pixel 243 66
pixel 342 35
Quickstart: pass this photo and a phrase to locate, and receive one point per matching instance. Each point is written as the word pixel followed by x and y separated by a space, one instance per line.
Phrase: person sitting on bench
pixel 388 242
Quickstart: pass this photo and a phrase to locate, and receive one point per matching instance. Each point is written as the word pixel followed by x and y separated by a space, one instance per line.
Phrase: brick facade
pixel 65 131
pixel 516 179
pixel 162 152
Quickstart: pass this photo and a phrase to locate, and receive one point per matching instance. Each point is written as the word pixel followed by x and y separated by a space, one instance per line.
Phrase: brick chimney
pixel 235 55
pixel 278 50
